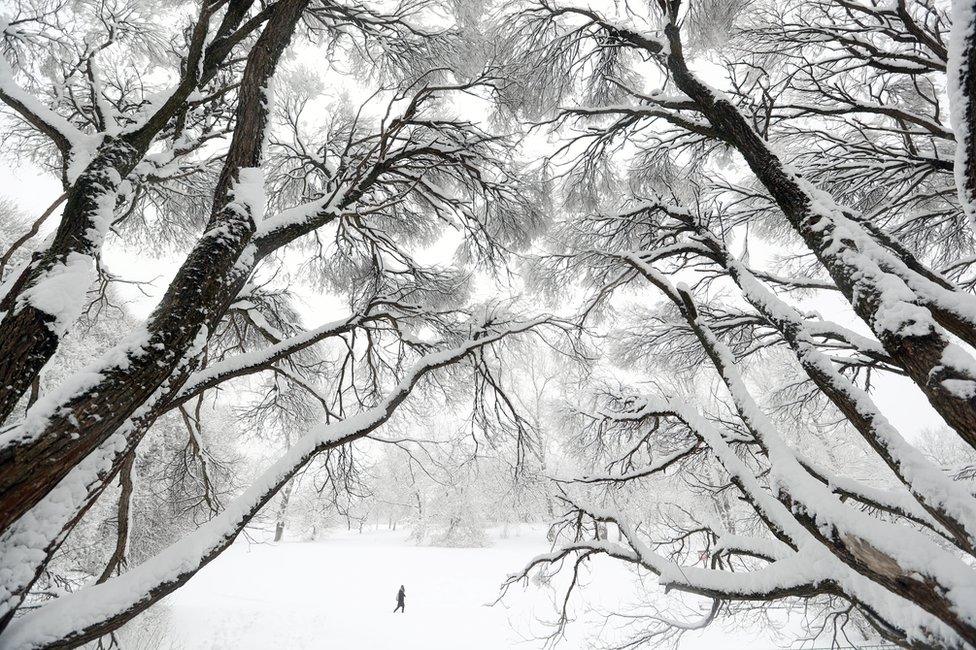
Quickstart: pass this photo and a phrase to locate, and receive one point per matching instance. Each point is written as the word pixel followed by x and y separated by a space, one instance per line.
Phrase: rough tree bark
pixel 198 296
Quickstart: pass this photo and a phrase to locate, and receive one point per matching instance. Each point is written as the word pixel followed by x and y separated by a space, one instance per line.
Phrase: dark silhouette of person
pixel 401 597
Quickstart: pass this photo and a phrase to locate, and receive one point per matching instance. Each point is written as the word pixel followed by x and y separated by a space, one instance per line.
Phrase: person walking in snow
pixel 401 596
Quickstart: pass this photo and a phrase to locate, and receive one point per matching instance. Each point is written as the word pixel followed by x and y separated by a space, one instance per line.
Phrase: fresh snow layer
pixel 248 191
pixel 340 593
pixel 63 292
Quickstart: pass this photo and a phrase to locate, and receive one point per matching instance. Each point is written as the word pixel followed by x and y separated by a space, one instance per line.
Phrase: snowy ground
pixel 340 592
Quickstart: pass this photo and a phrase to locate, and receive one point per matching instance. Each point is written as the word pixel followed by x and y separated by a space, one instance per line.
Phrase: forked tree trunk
pixel 29 335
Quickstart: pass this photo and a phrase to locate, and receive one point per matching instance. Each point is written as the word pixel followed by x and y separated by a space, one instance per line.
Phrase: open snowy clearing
pixel 340 593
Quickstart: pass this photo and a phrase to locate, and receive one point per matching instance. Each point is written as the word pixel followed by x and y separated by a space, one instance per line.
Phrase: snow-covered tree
pixel 776 153
pixel 766 219
pixel 184 154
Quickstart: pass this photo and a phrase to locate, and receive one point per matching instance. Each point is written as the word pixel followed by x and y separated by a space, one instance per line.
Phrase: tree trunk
pixel 920 354
pixel 198 297
pixel 962 103
pixel 29 336
pixel 282 513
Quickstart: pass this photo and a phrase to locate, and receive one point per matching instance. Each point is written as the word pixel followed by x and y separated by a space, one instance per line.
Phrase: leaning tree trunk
pixel 918 349
pixel 196 299
pixel 31 329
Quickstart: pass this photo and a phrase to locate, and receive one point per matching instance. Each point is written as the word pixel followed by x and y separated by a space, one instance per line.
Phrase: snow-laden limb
pixel 847 348
pixel 794 573
pixel 68 138
pixel 290 224
pixel 660 465
pixel 883 288
pixel 762 548
pixel 946 500
pixel 244 364
pixel 899 290
pixel 32 539
pixel 962 107
pixel 896 500
pixel 88 613
pixel 769 509
pixel 888 554
pixel 807 571
pixel 29 544
pixel 821 571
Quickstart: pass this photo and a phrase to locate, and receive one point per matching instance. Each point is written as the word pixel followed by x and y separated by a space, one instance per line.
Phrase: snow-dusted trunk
pixel 43 302
pixel 41 452
pixel 906 323
pixel 962 107
pixel 49 294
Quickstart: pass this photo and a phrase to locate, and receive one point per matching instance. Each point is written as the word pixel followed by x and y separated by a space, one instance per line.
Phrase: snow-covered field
pixel 340 593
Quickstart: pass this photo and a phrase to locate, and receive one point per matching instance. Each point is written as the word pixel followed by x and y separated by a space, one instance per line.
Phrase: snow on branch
pixel 946 500
pixel 68 138
pixel 865 544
